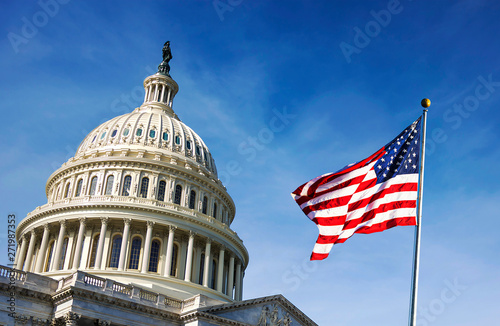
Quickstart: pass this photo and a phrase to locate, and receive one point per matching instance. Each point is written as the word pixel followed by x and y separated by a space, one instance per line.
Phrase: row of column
pixel 233 279
pixel 156 92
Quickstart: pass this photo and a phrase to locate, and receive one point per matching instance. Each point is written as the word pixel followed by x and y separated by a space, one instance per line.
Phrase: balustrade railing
pixel 12 273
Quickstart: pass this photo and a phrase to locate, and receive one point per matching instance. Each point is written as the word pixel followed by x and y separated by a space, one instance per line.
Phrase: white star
pixel 379 166
pixel 407 143
pixel 414 154
pixel 395 149
pixel 414 166
pixel 409 160
pixel 387 168
pixel 416 141
pixel 382 159
pixel 385 175
pixel 404 150
pixel 399 143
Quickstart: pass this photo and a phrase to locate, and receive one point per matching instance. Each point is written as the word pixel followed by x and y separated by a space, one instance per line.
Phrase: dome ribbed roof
pixel 148 129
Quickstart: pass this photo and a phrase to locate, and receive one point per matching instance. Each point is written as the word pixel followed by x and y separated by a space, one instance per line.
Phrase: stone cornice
pixel 201 315
pixel 72 293
pixel 296 312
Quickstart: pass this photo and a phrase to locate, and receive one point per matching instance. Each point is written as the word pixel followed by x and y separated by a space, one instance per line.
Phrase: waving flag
pixel 373 195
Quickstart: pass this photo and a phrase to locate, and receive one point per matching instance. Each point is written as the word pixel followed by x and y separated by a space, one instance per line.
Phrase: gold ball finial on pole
pixel 425 103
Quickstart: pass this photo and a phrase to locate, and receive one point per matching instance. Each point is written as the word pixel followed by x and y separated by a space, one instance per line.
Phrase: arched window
pixel 214 212
pixel 93 185
pixel 202 268
pixel 192 199
pixel 126 185
pixel 109 185
pixel 66 192
pixel 214 274
pixel 79 188
pixel 144 187
pixel 161 190
pixel 93 251
pixel 178 193
pixel 135 253
pixel 204 206
pixel 64 250
pixel 173 266
pixel 115 251
pixel 154 256
pixel 49 256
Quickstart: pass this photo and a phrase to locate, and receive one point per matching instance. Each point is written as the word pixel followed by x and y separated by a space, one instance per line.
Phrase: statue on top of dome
pixel 164 67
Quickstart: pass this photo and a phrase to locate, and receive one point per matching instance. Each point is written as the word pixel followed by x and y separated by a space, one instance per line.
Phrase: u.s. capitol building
pixel 136 231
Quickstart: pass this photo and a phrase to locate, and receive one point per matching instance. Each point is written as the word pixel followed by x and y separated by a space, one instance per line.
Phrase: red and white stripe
pixel 350 201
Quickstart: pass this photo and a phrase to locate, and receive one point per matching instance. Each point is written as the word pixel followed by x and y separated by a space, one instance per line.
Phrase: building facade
pixel 136 231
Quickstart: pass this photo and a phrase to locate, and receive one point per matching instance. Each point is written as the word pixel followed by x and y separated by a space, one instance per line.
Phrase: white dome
pixel 149 129
pixel 143 193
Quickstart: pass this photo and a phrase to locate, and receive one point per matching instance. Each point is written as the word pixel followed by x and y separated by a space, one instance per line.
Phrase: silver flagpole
pixel 416 262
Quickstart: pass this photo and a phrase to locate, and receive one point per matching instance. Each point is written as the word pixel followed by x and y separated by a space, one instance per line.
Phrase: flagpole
pixel 416 254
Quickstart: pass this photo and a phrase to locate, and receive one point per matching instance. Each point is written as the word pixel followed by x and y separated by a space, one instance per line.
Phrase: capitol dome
pixel 139 203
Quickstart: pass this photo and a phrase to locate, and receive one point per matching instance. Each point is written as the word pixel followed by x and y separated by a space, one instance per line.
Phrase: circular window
pixel 165 136
pixel 152 133
pixel 138 133
pixel 113 134
pixel 125 132
pixel 103 135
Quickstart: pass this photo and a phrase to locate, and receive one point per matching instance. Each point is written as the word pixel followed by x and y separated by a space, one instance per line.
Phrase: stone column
pixel 60 239
pixel 100 245
pixel 220 270
pixel 71 319
pixel 237 290
pixel 170 249
pixel 230 277
pixel 43 249
pixel 79 240
pixel 189 259
pixel 123 248
pixel 207 262
pixel 87 244
pixel 29 255
pixel 162 99
pixel 20 261
pixel 147 247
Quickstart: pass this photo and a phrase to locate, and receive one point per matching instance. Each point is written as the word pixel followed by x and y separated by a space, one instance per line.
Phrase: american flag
pixel 373 195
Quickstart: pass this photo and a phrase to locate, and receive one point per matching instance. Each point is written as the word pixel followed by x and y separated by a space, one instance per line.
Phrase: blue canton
pixel 401 155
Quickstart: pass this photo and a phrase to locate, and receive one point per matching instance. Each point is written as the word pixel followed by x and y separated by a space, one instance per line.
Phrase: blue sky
pixel 345 76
